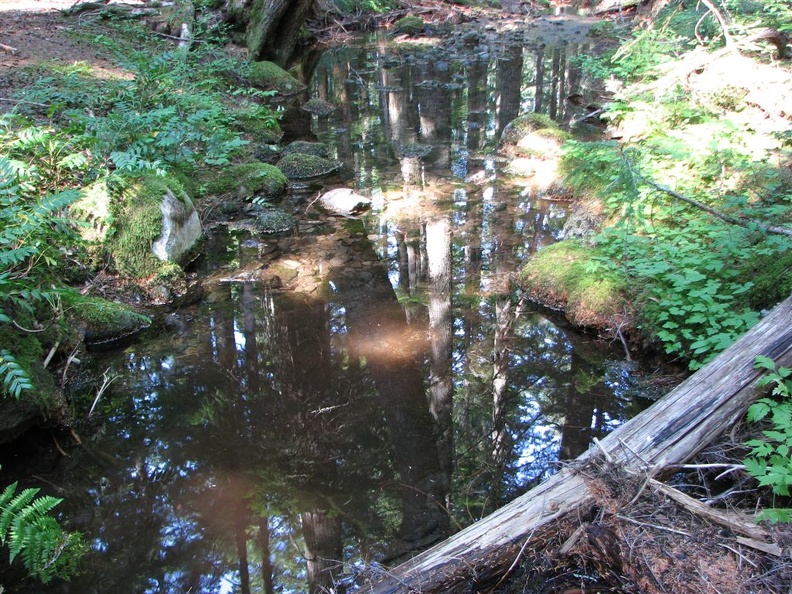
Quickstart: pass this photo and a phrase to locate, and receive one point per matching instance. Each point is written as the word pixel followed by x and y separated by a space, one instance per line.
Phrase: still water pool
pixel 389 387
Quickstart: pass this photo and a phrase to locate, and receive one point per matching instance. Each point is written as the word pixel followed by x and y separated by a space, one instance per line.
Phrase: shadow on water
pixel 397 390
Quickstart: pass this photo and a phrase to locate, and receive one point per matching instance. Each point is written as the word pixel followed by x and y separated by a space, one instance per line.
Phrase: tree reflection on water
pixel 288 440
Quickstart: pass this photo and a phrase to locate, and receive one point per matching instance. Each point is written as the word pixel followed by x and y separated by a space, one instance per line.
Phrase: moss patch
pixel 247 181
pixel 319 107
pixel 29 350
pixel 271 77
pixel 566 276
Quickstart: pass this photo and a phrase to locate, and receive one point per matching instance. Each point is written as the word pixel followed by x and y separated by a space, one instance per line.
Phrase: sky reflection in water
pixel 294 439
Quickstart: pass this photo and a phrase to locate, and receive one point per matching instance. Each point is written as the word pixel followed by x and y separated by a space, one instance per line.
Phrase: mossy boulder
pixel 317 149
pixel 533 134
pixel 409 25
pixel 299 166
pixel 567 275
pixel 319 107
pixel 248 181
pixel 101 321
pixel 155 224
pixel 271 77
pixel 256 128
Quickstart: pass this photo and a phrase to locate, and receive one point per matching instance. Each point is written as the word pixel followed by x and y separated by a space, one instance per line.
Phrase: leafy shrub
pixel 691 274
pixel 771 458
pixel 33 235
pixel 164 117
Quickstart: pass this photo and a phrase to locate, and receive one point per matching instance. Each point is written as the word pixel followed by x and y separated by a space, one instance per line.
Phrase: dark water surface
pixel 288 440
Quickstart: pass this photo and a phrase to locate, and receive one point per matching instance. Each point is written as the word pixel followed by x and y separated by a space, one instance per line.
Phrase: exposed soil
pixel 636 540
pixel 36 31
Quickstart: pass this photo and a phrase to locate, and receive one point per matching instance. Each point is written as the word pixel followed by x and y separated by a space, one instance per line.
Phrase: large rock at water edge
pixel 155 223
pixel 271 77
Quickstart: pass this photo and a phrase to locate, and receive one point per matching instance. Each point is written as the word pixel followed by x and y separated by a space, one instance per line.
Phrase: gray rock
pixel 181 228
pixel 343 202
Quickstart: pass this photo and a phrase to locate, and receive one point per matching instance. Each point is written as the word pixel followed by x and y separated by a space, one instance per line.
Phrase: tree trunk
pixel 672 430
pixel 323 550
pixel 274 28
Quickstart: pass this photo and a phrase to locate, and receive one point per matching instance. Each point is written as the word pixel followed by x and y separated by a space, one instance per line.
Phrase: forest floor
pixel 637 539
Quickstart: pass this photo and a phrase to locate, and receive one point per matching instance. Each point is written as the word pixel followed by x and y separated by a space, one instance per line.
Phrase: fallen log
pixel 668 433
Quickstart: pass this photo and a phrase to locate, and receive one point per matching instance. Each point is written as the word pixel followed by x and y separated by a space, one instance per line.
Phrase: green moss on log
pixel 98 319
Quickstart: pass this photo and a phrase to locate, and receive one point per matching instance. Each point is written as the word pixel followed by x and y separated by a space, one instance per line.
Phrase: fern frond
pixel 5 497
pixel 36 537
pixel 15 381
pixel 32 530
pixel 55 202
pixel 11 509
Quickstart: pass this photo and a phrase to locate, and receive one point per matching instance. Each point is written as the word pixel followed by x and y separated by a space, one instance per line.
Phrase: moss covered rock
pixel 155 223
pixel 271 77
pixel 248 181
pixel 102 321
pixel 317 149
pixel 564 276
pixel 319 107
pixel 409 25
pixel 271 220
pixel 256 128
pixel 533 134
pixel 299 166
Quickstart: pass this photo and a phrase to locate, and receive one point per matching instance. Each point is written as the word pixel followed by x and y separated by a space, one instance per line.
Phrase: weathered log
pixel 671 431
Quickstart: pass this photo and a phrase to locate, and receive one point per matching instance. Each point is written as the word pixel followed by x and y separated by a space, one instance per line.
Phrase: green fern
pixel 15 379
pixel 35 537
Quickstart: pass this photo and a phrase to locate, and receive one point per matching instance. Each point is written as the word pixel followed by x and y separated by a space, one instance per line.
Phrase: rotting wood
pixel 670 432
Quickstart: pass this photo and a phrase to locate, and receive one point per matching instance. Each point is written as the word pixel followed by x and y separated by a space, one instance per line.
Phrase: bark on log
pixel 668 433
